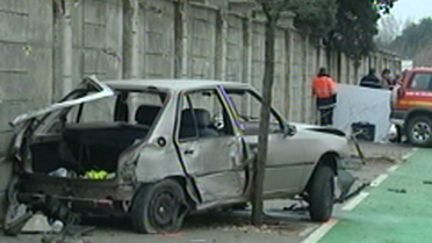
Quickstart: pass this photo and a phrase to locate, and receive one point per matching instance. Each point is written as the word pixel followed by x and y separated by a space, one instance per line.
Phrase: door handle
pixel 188 151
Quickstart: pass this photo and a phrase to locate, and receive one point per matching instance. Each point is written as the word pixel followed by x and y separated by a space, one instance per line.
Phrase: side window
pixel 94 111
pixel 248 108
pixel 188 128
pixel 204 116
pixel 144 107
pixel 422 81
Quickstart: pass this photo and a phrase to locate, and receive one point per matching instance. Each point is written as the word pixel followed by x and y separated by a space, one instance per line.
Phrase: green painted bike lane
pixel 398 210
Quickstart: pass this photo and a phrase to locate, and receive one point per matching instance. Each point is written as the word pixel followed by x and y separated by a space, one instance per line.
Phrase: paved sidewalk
pixel 398 210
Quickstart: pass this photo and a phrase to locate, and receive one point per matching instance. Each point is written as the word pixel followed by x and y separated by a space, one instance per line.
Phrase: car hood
pixel 103 91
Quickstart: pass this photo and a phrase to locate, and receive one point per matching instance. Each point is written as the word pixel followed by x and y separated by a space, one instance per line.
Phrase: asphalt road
pixel 281 225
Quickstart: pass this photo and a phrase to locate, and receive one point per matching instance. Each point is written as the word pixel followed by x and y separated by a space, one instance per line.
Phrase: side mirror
pixel 289 130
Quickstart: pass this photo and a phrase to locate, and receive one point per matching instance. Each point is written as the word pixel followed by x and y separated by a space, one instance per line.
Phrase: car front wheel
pixel 419 131
pixel 321 193
pixel 159 207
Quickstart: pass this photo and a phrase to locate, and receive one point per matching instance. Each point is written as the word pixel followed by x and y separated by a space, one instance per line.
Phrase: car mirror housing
pixel 289 130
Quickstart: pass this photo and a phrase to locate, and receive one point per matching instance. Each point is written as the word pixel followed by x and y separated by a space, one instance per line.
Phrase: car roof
pixel 172 84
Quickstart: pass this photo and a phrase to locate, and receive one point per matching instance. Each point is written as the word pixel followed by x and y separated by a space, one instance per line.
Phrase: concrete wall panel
pixel 234 51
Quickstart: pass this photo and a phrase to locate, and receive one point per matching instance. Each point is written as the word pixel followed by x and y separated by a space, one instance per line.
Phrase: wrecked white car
pixel 157 150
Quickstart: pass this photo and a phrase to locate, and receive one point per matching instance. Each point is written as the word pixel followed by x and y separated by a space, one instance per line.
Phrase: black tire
pixel 419 131
pixel 321 194
pixel 159 207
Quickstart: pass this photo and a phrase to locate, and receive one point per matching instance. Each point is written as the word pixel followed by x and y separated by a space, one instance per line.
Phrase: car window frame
pixel 273 111
pixel 179 111
pixel 413 76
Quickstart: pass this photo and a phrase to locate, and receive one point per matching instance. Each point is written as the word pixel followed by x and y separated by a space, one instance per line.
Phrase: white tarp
pixel 357 104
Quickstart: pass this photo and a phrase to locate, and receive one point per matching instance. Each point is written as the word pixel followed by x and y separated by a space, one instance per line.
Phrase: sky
pixel 412 10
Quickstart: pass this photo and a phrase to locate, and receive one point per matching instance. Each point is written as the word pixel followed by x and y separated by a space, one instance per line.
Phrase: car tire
pixel 159 208
pixel 321 194
pixel 419 131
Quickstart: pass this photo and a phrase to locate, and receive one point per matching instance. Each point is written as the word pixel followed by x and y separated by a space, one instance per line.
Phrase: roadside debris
pixel 352 194
pixel 296 207
pixel 427 182
pixel 358 148
pixel 382 159
pixel 39 224
pixel 90 174
pixel 395 190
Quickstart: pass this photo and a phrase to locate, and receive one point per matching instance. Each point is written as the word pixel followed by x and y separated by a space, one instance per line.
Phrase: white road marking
pixel 378 180
pixel 321 231
pixel 392 168
pixel 351 204
pixel 408 155
pixel 307 231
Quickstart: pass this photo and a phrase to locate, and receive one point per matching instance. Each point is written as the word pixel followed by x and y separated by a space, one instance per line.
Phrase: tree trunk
pixel 259 165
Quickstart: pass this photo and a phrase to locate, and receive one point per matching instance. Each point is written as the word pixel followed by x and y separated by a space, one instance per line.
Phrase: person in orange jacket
pixel 324 89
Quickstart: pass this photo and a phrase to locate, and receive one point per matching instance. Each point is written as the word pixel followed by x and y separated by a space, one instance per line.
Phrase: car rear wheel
pixel 159 208
pixel 419 131
pixel 321 194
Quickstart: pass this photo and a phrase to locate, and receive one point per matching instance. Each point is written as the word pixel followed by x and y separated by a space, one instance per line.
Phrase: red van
pixel 412 106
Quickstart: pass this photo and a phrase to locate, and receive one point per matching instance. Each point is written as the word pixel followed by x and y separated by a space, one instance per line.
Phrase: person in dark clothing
pixel 371 80
pixel 324 89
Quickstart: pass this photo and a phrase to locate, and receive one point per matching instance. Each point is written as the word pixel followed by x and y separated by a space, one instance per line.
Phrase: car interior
pixel 204 116
pixel 80 140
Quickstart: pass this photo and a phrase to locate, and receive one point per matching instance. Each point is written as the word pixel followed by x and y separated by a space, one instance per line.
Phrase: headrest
pixel 202 117
pixel 146 114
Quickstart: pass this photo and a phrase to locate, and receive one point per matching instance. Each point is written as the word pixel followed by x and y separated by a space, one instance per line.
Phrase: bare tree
pixel 272 10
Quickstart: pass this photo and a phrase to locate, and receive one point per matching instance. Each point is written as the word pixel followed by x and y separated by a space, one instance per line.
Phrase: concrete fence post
pixel 130 39
pixel 247 51
pixel 288 72
pixel 304 100
pixel 181 40
pixel 62 51
pixel 221 45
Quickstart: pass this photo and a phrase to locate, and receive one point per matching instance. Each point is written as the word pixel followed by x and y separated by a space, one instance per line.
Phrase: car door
pixel 286 163
pixel 210 151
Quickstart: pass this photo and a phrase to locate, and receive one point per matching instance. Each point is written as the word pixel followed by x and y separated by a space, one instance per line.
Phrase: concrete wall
pixel 26 64
pixel 50 45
